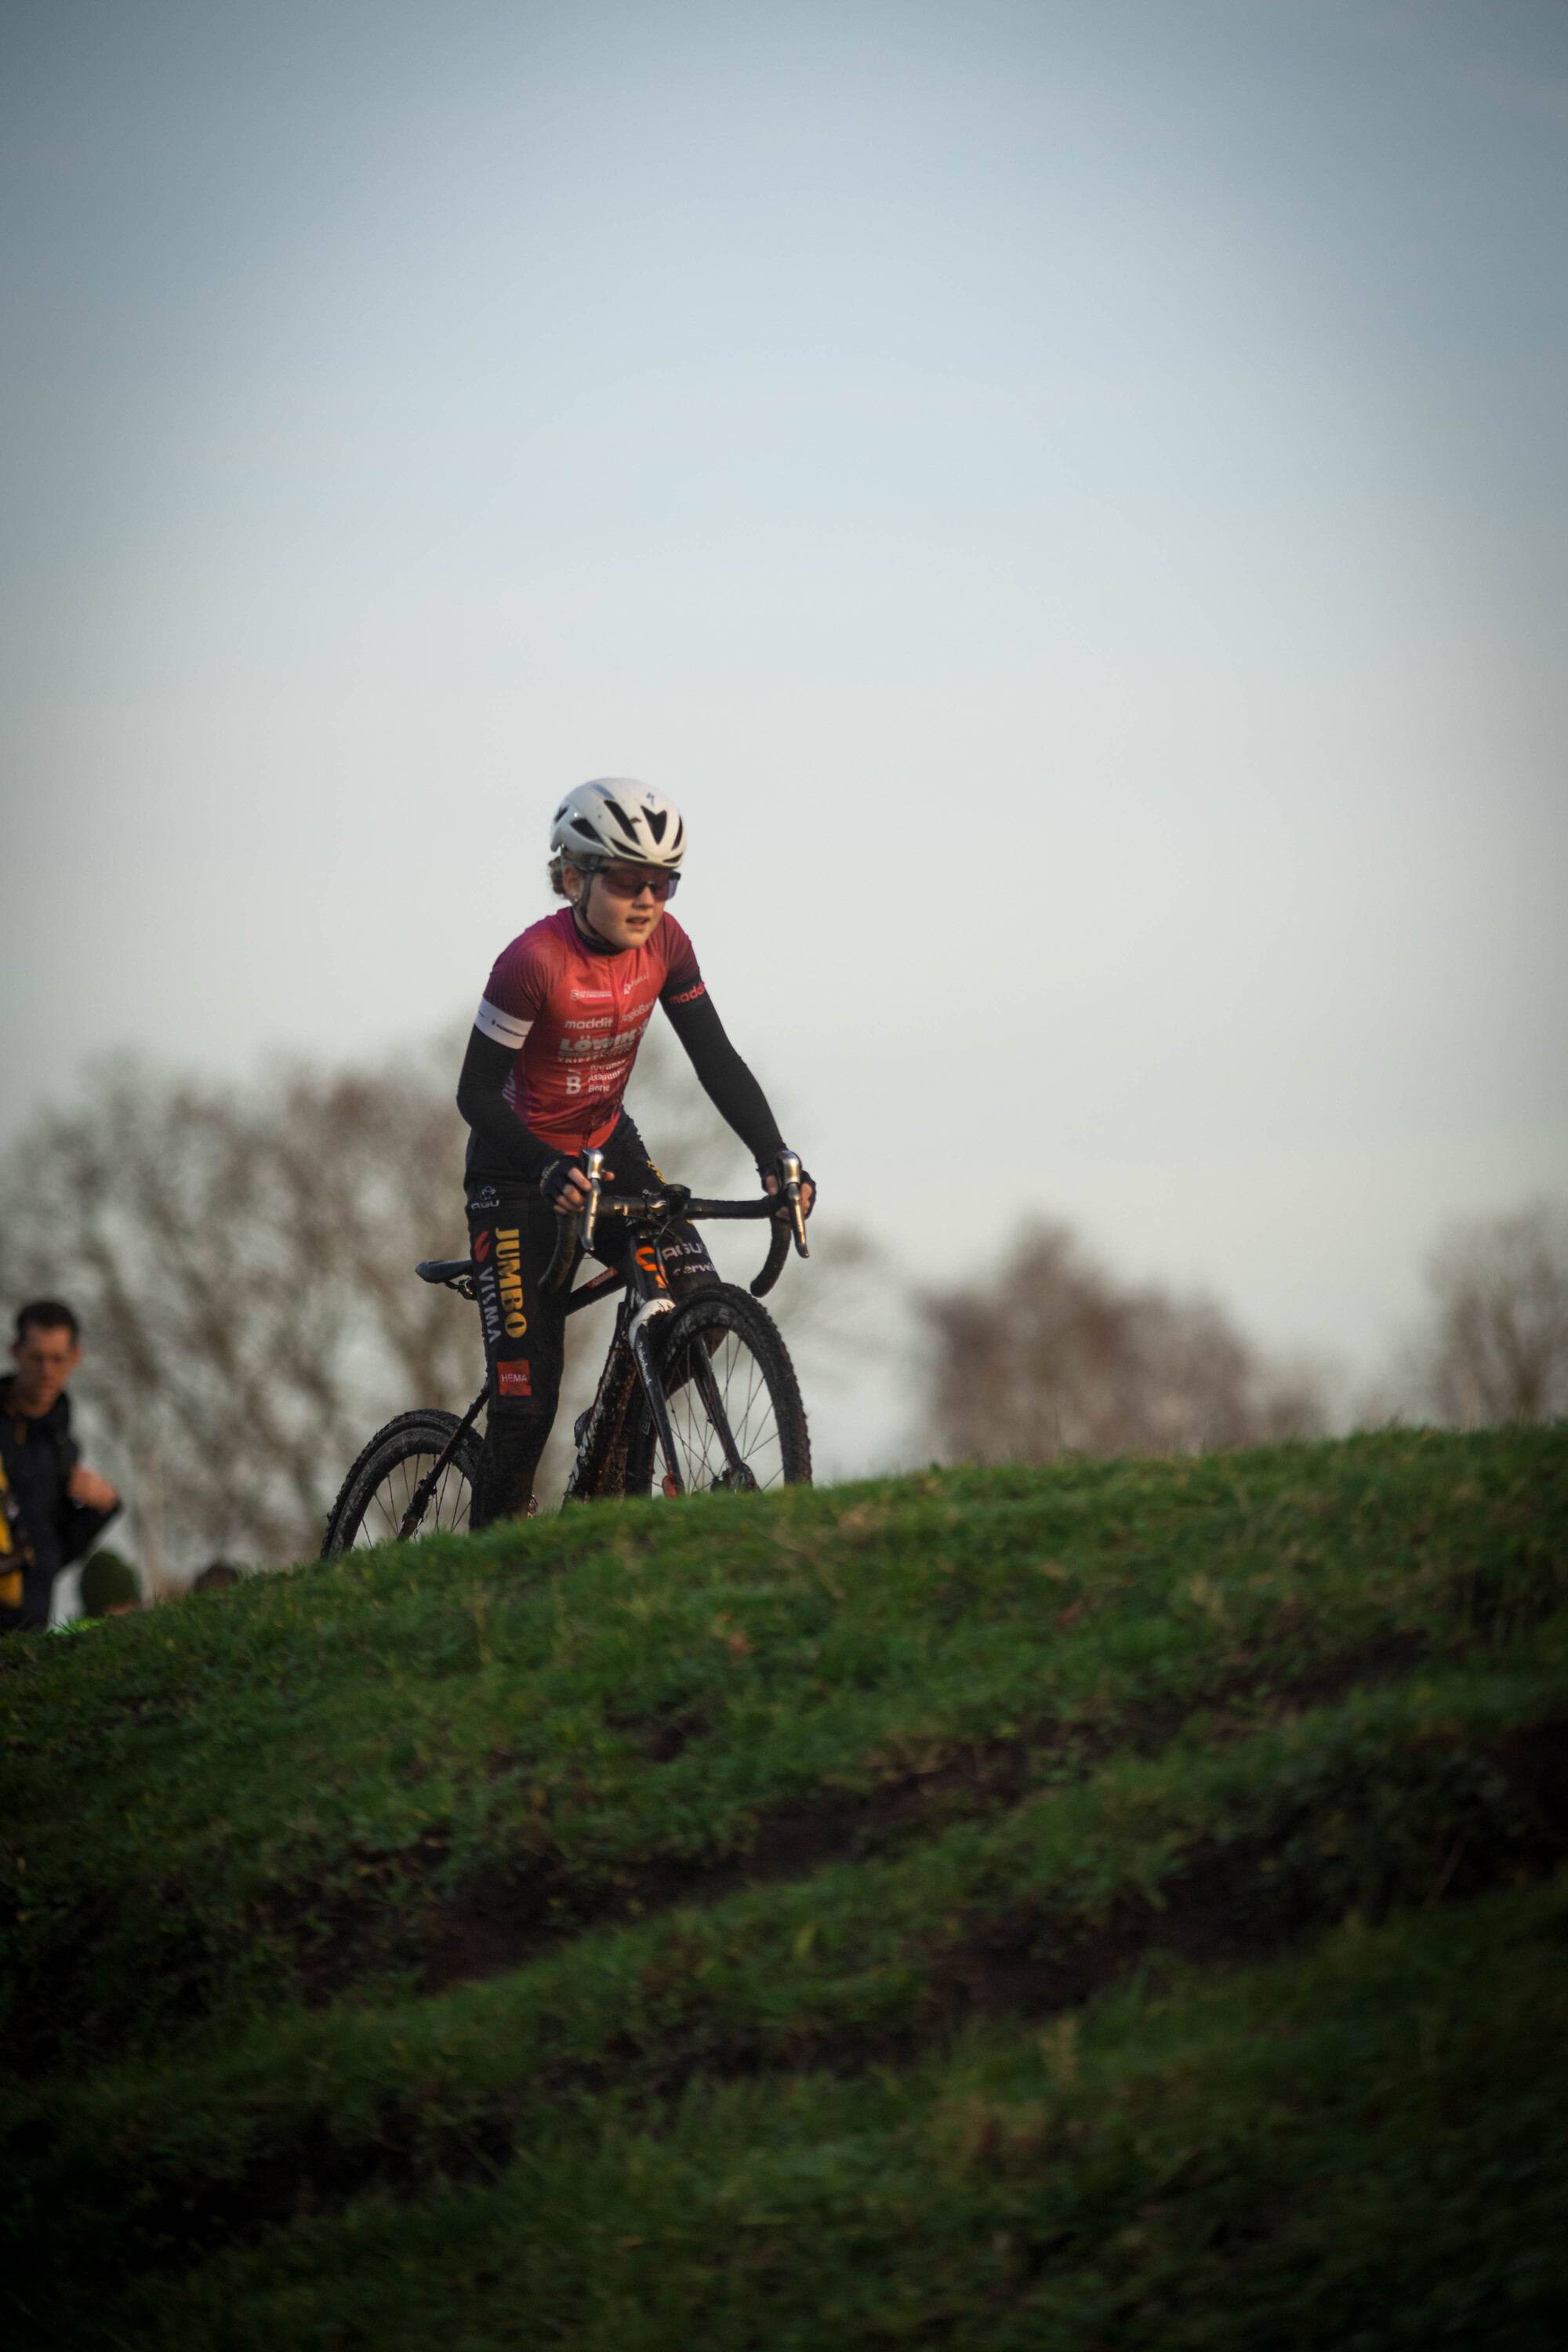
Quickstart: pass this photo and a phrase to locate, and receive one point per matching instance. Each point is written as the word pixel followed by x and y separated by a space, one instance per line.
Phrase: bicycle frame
pixel 630 1363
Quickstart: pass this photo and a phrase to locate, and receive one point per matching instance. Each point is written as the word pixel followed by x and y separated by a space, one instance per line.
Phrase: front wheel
pixel 379 1490
pixel 734 1408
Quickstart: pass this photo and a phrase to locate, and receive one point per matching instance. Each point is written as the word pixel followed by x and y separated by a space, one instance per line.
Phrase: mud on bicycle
pixel 700 1397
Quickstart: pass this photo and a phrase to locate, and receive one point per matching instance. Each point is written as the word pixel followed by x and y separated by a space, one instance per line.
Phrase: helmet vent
pixel 615 816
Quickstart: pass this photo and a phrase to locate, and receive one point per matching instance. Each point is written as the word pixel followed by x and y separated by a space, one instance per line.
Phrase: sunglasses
pixel 631 881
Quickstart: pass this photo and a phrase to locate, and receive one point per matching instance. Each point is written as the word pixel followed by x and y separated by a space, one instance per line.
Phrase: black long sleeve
pixel 727 1082
pixel 500 1140
pixel 78 1526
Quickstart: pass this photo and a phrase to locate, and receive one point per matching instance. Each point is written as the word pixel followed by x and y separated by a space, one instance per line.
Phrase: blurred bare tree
pixel 1051 1356
pixel 241 1260
pixel 1496 1349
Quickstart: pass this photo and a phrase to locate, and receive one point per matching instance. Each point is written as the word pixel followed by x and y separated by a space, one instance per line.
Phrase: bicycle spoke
pixel 708 1388
pixel 451 1500
pixel 723 1418
pixel 446 1512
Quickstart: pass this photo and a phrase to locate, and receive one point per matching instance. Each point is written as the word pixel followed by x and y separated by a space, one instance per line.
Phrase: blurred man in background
pixel 51 1509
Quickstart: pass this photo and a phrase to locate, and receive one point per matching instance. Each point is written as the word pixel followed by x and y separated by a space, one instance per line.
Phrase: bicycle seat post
pixel 594 1161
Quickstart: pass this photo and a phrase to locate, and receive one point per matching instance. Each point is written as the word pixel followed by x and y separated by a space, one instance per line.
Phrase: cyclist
pixel 544 1081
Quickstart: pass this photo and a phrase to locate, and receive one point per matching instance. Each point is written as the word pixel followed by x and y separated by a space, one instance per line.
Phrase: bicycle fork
pixel 639 1341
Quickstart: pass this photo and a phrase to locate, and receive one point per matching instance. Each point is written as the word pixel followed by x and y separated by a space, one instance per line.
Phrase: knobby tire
pixel 380 1487
pixel 750 1366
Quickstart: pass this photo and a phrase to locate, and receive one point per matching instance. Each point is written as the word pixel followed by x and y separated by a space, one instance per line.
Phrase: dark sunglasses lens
pixel 627 885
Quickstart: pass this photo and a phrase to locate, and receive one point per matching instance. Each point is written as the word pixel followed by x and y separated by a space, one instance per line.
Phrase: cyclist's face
pixel 626 921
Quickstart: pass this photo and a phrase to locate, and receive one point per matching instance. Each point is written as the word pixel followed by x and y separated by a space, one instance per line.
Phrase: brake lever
pixel 792 1174
pixel 593 1167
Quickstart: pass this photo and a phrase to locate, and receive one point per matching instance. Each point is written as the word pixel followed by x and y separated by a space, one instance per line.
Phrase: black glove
pixel 777 1168
pixel 553 1181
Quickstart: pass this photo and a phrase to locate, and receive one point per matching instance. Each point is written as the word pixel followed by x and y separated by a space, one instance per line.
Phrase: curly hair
pixel 557 865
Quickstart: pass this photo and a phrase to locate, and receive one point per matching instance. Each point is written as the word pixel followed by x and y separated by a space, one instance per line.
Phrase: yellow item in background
pixel 11 1582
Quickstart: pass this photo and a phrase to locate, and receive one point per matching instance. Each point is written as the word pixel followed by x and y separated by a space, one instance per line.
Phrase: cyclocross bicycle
pixel 692 1398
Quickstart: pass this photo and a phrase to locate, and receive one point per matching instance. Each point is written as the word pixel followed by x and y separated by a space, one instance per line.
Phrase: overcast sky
pixel 1070 500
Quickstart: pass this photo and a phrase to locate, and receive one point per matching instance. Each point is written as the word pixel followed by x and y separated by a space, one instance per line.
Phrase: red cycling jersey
pixel 576 1017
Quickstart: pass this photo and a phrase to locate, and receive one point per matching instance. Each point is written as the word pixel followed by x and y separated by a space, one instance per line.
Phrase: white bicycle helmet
pixel 619 817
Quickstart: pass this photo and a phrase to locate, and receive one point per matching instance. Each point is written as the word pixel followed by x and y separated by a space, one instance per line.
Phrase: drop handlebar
pixel 578 1233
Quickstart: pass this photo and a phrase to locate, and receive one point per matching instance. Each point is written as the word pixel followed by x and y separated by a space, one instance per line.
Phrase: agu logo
pixel 513 1378
pixel 508 1266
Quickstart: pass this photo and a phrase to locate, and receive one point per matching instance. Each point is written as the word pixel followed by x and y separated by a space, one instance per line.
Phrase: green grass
pixel 1113 1906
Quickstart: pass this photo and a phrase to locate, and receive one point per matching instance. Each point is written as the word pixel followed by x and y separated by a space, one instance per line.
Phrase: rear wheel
pixel 734 1408
pixel 378 1491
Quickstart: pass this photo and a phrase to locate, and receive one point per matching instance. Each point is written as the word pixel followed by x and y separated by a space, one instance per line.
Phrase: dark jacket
pixel 47 1529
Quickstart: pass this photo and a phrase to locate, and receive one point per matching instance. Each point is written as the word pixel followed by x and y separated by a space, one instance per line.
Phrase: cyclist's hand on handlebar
pixel 772 1180
pixel 565 1184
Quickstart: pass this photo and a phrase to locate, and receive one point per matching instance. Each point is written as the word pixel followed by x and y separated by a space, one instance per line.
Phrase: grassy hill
pixel 1106 1907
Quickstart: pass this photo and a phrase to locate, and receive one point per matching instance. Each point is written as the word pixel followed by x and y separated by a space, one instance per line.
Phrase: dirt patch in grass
pixel 1226 1906
pixel 519 1913
pixel 398 1921
pixel 1235 1904
pixel 1221 1910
